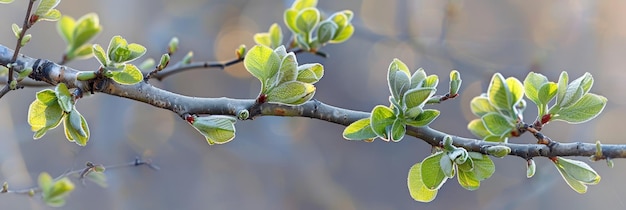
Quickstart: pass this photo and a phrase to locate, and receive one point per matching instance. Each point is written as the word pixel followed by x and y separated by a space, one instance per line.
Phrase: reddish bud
pixel 190 119
pixel 33 19
pixel 261 99
pixel 546 118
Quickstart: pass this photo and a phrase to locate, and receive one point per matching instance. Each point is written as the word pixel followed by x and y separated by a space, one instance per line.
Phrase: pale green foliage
pixel 77 35
pixel 53 106
pixel 216 129
pixel 6 1
pixel 46 10
pixel 272 39
pixel 409 94
pixel 282 80
pixel 576 174
pixel 311 31
pixel 428 176
pixel 54 192
pixel 115 60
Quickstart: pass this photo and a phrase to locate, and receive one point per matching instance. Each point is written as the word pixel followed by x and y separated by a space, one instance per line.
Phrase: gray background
pixel 299 163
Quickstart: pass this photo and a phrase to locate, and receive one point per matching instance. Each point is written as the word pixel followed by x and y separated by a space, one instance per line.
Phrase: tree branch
pixel 51 73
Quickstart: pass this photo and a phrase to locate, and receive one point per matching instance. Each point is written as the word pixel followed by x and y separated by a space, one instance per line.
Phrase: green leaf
pixel 44 181
pixel 46 6
pixel 307 19
pixel 562 88
pixel 359 130
pixel 301 4
pixel 276 36
pixel 56 193
pixel 516 88
pixel 578 170
pixel 381 118
pixel 417 189
pixel 483 166
pixel 76 128
pixel 575 90
pixel 82 52
pixel 64 97
pixel 423 119
pixel 310 73
pixel 432 175
pixel 100 55
pixel 431 81
pixel 97 177
pixel 87 27
pixel 587 108
pixel 290 20
pixel 418 96
pixel 326 31
pixel 52 15
pixel 16 30
pixel 455 82
pixel 532 84
pixel 468 165
pixel 262 39
pixel 468 180
pixel 398 79
pixel 417 79
pixel 44 115
pixel 216 129
pixel 130 75
pixel 531 167
pixel 288 70
pixel 397 131
pixel 480 106
pixel 343 35
pixel 446 166
pixel 497 124
pixel 263 63
pixel 293 92
pixel 547 92
pixel 499 93
pixel 477 127
pixel 499 151
pixel 65 28
pixel 6 1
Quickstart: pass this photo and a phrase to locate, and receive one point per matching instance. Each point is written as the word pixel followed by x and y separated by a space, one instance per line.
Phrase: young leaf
pixel 483 166
pixel 480 106
pixel 417 189
pixel 381 118
pixel 301 4
pixel 547 92
pixel 16 30
pixel 432 175
pixel 130 75
pixel 446 166
pixel 307 19
pixel 288 70
pixel 46 6
pixel 499 94
pixel 326 31
pixel 6 1
pixel 64 97
pixel 44 113
pixel 275 36
pixel 516 88
pixel 418 96
pixel 86 28
pixel 477 127
pixel 100 55
pixel 417 79
pixel 263 63
pixel 532 83
pixel 310 73
pixel 293 93
pixel 497 124
pixel 398 78
pixel 359 130
pixel 54 192
pixel 468 180
pixel 531 167
pixel 216 129
pixel 587 108
pixel 578 170
pixel 426 117
pixel 397 131
pixel 76 128
pixel 290 20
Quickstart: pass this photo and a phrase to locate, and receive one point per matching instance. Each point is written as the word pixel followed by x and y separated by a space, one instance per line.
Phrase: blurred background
pixel 300 163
